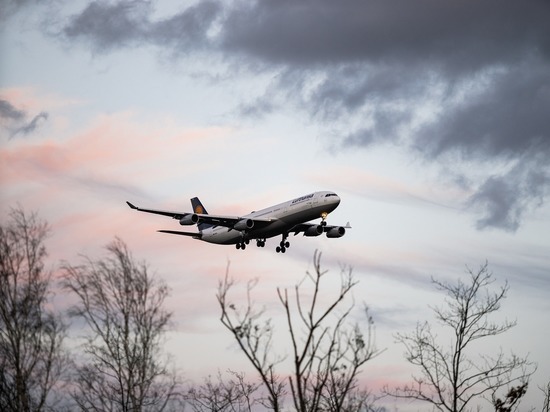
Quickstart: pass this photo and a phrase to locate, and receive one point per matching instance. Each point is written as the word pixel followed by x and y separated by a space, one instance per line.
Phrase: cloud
pixel 9 112
pixel 503 198
pixel 16 120
pixel 103 154
pixel 507 116
pixel 10 7
pixel 454 82
pixel 30 126
pixel 107 26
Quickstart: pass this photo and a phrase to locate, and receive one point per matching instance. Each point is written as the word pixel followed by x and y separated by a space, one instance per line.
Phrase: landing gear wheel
pixel 283 245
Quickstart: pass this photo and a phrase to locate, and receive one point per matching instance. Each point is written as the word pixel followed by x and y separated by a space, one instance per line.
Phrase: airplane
pixel 281 219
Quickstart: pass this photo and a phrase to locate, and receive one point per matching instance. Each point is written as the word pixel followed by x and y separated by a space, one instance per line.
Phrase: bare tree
pixel 450 378
pixel 254 337
pixel 327 352
pixel 122 305
pixel 222 395
pixel 31 354
pixel 546 400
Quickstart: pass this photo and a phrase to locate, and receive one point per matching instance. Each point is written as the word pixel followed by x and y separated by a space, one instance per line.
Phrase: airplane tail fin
pixel 199 209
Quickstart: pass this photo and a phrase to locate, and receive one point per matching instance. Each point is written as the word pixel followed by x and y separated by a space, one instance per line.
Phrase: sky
pixel 430 119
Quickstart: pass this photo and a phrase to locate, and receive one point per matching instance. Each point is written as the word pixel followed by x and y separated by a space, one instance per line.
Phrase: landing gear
pixel 260 242
pixel 242 245
pixel 284 245
pixel 324 218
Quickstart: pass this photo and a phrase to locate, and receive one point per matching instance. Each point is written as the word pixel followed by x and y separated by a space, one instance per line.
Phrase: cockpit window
pixel 330 194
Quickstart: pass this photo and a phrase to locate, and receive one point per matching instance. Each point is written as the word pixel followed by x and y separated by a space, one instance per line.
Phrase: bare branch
pixel 233 395
pixel 32 360
pixel 122 307
pixel 546 401
pixel 449 379
pixel 254 338
pixel 327 353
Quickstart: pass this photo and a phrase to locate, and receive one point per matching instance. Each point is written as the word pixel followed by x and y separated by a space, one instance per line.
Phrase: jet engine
pixel 244 224
pixel 336 232
pixel 190 219
pixel 313 231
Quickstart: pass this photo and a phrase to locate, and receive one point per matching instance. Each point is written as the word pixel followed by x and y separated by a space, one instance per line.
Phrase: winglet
pixel 347 226
pixel 132 206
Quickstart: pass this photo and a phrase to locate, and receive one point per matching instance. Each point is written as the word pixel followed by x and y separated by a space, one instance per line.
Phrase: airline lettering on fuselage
pixel 301 199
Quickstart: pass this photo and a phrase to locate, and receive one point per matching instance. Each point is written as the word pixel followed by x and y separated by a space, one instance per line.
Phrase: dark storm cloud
pixel 364 69
pixel 508 119
pixel 468 34
pixel 107 25
pixel 504 198
pixel 187 30
pixel 16 121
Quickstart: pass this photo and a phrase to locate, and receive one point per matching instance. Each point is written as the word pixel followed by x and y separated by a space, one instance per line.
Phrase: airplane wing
pixel 173 215
pixel 231 222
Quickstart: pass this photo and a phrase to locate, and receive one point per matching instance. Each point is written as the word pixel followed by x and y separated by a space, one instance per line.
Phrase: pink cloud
pixel 114 146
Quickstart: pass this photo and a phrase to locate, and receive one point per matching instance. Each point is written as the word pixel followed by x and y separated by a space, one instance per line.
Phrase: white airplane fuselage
pixel 285 216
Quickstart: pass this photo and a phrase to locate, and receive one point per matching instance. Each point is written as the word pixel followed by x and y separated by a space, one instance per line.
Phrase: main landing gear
pixel 284 245
pixel 244 242
pixel 242 245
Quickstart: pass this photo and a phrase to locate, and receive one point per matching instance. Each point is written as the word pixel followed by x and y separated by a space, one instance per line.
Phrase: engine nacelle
pixel 336 232
pixel 244 224
pixel 314 231
pixel 189 220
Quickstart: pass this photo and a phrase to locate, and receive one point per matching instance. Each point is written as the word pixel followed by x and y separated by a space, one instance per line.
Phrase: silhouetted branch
pixel 122 307
pixel 32 361
pixel 449 379
pixel 327 354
